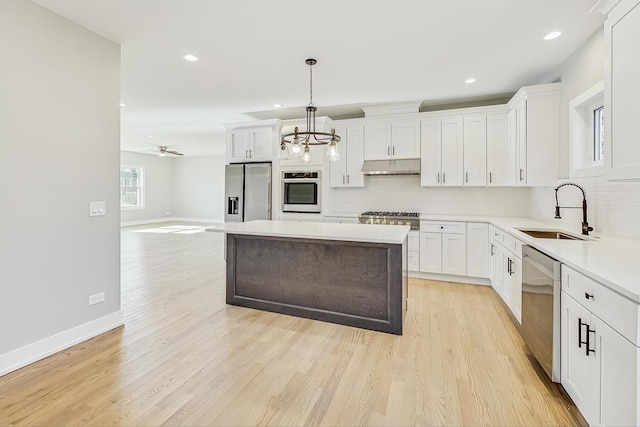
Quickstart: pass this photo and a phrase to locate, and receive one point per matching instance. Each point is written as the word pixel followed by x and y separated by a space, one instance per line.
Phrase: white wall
pixel 158 186
pixel 199 188
pixel 59 137
pixel 614 207
pixel 403 193
pixel 182 188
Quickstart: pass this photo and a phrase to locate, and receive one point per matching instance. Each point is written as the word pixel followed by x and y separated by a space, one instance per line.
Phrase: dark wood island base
pixel 353 283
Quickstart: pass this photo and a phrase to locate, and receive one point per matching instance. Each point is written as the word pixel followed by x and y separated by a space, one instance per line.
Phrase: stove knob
pixel 392 222
pixel 377 221
pixel 407 223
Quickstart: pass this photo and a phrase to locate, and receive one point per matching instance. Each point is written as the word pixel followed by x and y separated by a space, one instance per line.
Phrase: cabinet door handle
pixel 388 150
pixel 521 174
pixel 588 295
pixel 438 178
pixel 490 178
pixel 493 249
pixel 393 150
pixel 466 177
pixel 580 325
pixel 246 153
pixel 250 153
pixel 347 178
pixel 588 349
pixel 444 178
pixel 343 179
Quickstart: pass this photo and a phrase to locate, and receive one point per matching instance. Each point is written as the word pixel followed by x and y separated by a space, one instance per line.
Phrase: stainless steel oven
pixel 302 191
pixel 541 309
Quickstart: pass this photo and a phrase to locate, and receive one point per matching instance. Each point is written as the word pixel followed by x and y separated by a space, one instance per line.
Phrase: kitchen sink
pixel 551 234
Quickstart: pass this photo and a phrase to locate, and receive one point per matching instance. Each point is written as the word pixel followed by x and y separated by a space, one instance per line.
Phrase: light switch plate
pixel 97 208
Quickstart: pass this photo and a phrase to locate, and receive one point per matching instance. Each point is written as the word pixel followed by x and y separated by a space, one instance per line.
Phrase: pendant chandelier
pixel 300 141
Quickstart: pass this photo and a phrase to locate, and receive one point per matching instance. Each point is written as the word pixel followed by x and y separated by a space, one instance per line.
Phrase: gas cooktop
pixel 391 218
pixel 384 213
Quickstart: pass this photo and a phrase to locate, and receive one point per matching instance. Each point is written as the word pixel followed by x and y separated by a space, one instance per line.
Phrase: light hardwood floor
pixel 186 358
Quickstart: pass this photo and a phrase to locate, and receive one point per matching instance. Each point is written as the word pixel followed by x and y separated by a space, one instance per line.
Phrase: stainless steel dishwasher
pixel 541 309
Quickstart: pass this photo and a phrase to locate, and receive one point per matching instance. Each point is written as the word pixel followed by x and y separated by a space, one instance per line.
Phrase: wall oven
pixel 541 309
pixel 302 191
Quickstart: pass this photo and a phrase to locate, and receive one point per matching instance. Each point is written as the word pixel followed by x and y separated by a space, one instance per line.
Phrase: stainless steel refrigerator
pixel 247 190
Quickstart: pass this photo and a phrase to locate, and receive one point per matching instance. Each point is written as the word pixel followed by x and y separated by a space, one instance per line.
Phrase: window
pixel 598 134
pixel 131 187
pixel 586 116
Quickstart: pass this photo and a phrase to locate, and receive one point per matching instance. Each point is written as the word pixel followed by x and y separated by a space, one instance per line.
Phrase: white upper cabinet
pixel 452 151
pixel 378 142
pixel 347 172
pixel 396 140
pixel 534 134
pixel 475 150
pixel 441 152
pixel 498 153
pixel 430 162
pixel 621 107
pixel 250 144
pixel 405 138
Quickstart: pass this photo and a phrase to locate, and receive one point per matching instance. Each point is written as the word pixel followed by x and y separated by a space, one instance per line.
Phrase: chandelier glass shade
pixel 299 141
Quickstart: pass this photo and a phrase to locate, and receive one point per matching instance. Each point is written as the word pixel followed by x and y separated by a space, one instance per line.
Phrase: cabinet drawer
pixel 413 261
pixel 498 235
pixel 615 310
pixel 514 245
pixel 509 242
pixel 443 227
pixel 341 219
pixel 414 241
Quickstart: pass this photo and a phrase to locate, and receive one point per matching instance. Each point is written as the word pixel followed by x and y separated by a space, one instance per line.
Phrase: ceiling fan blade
pixel 174 152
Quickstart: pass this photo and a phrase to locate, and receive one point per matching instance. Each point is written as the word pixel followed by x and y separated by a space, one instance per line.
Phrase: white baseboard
pixel 145 222
pixel 450 278
pixel 204 220
pixel 179 219
pixel 38 350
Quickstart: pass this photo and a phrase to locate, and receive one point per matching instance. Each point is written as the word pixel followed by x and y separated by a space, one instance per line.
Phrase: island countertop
pixel 318 230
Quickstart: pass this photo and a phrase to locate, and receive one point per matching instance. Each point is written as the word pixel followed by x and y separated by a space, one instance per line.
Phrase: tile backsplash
pixel 613 207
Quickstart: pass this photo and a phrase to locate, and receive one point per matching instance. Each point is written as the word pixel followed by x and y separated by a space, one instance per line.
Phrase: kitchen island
pixel 350 274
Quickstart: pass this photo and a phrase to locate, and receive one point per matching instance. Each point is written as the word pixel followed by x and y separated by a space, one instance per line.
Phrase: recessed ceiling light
pixel 122 104
pixel 470 80
pixel 277 105
pixel 149 136
pixel 191 58
pixel 553 35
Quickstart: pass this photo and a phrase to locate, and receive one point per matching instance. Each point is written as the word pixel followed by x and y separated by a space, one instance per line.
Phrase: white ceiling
pixel 251 56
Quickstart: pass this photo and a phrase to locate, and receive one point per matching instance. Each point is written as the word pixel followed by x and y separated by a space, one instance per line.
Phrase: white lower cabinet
pixel 443 248
pixel 478 249
pixel 414 251
pixel 431 252
pixel 599 367
pixel 506 270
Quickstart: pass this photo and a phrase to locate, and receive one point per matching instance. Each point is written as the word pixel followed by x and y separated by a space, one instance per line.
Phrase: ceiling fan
pixel 162 151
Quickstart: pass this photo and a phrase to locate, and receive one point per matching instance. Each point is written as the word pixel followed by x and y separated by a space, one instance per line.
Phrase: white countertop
pixel 612 261
pixel 318 230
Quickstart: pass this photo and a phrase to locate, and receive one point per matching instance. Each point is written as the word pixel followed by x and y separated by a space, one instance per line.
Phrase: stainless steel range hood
pixel 391 167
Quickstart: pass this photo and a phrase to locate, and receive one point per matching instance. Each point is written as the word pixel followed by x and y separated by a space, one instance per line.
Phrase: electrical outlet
pixel 96 298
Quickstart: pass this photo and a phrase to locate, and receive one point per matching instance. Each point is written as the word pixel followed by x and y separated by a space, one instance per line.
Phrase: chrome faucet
pixel 585 225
